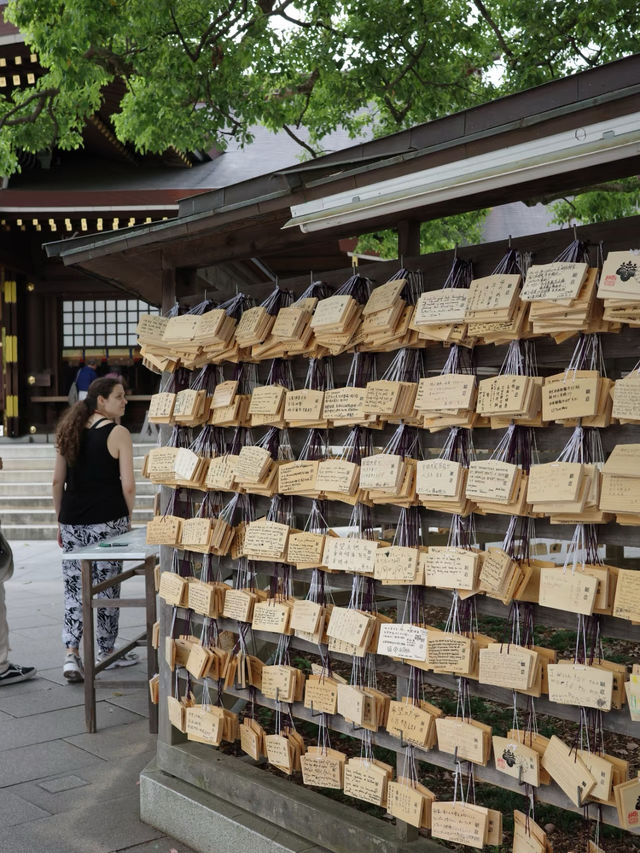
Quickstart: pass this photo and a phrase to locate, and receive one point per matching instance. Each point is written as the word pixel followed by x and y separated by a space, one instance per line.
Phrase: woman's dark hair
pixel 71 425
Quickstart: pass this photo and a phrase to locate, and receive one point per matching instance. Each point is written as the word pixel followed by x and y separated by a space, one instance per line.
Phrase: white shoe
pixel 128 659
pixel 72 668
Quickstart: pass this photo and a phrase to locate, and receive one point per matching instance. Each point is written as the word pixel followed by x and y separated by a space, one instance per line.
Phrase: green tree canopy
pixel 198 72
pixel 463 229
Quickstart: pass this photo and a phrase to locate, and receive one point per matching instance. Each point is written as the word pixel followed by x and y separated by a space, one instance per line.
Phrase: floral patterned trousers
pixel 76 536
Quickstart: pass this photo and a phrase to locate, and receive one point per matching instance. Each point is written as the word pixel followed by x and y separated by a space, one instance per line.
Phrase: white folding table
pixel 127 547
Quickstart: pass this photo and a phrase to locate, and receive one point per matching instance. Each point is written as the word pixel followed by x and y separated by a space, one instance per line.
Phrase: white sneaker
pixel 72 668
pixel 128 659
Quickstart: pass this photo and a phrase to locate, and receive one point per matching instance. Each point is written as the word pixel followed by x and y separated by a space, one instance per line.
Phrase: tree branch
pixel 110 61
pixel 305 108
pixel 185 47
pixel 207 37
pixel 415 57
pixel 607 187
pixel 310 25
pixel 304 88
pixel 301 142
pixel 590 62
pixel 54 121
pixel 488 18
pixel 398 115
pixel 41 97
pixel 438 83
pixel 225 114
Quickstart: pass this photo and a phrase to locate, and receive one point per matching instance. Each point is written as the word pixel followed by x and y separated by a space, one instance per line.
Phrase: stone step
pixel 47 516
pixel 43 501
pixel 38 488
pixel 29 532
pixel 45 475
pixel 26 532
pixel 46 451
pixel 42 463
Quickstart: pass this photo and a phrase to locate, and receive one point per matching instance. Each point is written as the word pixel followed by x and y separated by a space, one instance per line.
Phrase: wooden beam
pixel 408 238
pixel 168 286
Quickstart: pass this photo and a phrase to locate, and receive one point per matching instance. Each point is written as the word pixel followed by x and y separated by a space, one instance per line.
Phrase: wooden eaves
pixel 245 220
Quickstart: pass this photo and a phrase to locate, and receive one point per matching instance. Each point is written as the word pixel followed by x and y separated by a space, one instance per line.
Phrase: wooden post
pixel 152 655
pixel 168 293
pixel 408 238
pixel 89 648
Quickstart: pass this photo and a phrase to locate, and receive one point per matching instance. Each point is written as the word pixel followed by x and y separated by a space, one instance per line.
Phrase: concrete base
pixel 207 823
pixel 216 802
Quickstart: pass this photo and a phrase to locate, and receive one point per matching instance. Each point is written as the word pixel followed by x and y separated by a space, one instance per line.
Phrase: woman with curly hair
pixel 93 493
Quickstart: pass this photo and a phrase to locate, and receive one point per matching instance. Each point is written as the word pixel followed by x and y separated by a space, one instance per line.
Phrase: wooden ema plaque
pixel 557 281
pixel 402 641
pixel 564 589
pixel 528 837
pixel 306 616
pixel 449 652
pixel 321 694
pixel 173 589
pixel 398 564
pixel 568 770
pixel 493 297
pixel 620 278
pixel 469 739
pixel 508 665
pixel 298 478
pixel 460 823
pixel 438 478
pixel 626 398
pixel 410 801
pixel 626 604
pixel 306 550
pixel 323 768
pixel 350 554
pixel 367 780
pixel 412 723
pixel 272 615
pixel 164 530
pixel 491 480
pixel 579 684
pixel 451 568
pixel 382 471
pixel 627 797
pixel 266 540
pixel 517 760
pixel 441 307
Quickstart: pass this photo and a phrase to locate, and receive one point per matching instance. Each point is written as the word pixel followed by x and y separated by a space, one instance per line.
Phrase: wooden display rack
pixel 305 812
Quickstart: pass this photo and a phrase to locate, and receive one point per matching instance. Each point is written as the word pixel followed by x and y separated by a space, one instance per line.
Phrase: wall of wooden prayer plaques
pixel 554 306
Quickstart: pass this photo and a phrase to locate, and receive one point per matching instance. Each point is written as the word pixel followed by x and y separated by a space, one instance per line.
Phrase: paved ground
pixel 62 790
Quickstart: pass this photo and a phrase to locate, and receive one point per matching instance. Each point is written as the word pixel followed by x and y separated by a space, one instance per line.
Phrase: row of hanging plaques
pixel 558 299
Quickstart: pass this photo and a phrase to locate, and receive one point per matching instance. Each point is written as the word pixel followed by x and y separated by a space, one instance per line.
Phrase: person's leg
pixel 108 618
pixel 72 670
pixel 10 673
pixel 72 586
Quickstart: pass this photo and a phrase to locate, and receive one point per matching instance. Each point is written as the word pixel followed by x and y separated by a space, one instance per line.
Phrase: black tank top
pixel 93 491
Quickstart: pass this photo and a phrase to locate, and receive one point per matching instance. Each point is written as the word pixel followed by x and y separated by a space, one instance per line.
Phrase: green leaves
pixel 200 71
pixel 463 229
pixel 612 200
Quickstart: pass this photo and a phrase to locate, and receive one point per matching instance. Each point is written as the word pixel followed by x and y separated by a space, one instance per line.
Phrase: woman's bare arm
pixel 57 487
pixel 120 445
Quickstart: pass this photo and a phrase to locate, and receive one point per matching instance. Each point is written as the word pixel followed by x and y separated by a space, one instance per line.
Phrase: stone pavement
pixel 63 790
